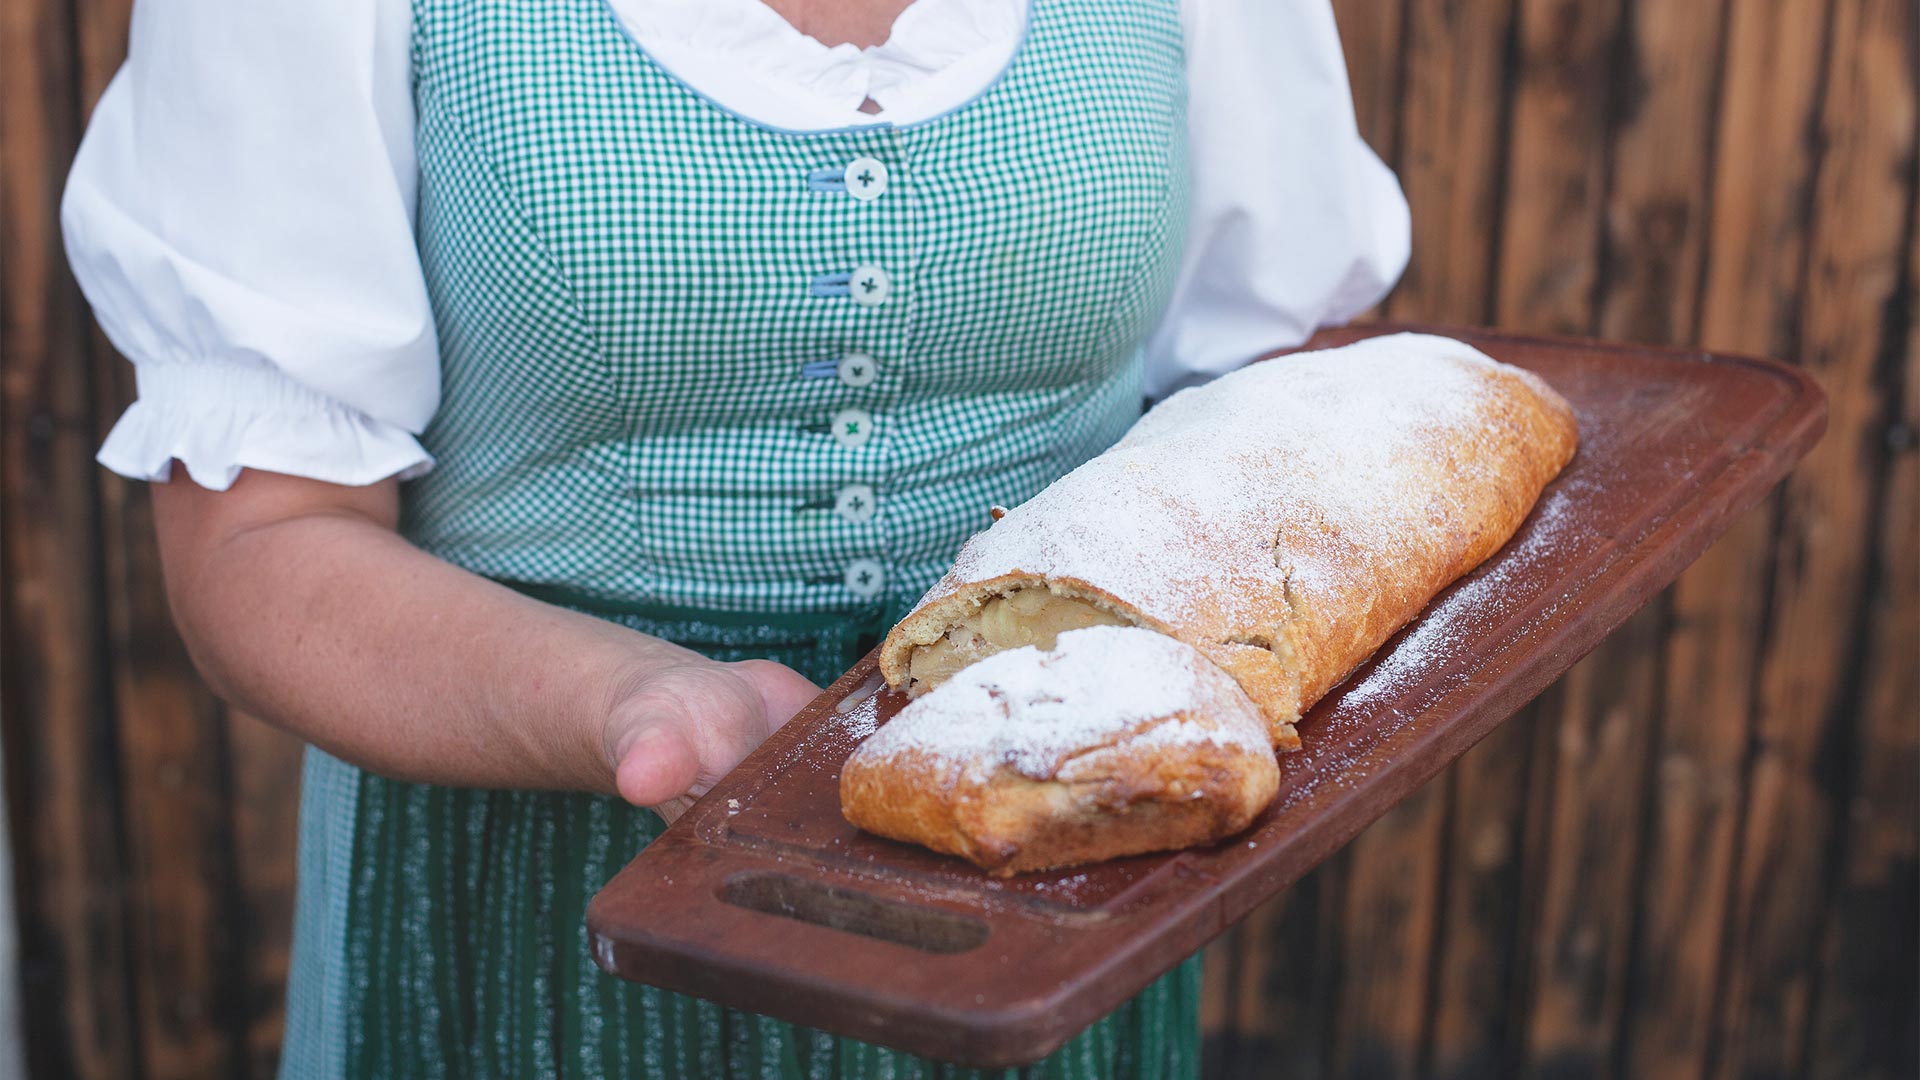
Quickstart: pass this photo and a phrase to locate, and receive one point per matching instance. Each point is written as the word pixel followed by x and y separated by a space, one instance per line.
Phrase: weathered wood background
pixel 1695 855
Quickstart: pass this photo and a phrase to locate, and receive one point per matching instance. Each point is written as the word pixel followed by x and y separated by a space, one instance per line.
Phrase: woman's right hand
pixel 674 730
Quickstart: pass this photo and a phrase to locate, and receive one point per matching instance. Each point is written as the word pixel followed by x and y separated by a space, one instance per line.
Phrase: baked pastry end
pixel 1117 741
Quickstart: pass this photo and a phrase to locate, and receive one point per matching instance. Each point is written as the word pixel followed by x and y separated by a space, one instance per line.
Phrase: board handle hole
pixel 927 929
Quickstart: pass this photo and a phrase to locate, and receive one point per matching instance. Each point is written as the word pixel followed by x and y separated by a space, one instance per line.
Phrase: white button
pixel 866 178
pixel 855 503
pixel 858 369
pixel 870 285
pixel 852 428
pixel 866 577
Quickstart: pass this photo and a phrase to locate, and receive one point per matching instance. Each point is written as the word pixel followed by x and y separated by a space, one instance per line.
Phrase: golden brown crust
pixel 1118 803
pixel 1031 761
pixel 1319 544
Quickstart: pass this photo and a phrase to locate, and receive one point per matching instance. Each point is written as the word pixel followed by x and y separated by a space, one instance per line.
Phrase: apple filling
pixel 1022 617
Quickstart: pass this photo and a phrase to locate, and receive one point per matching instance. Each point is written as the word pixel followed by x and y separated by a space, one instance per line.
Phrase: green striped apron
pixel 746 389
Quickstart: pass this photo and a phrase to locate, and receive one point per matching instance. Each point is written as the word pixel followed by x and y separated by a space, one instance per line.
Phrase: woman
pixel 561 390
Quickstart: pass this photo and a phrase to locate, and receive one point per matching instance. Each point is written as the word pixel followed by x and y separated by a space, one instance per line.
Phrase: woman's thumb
pixel 656 764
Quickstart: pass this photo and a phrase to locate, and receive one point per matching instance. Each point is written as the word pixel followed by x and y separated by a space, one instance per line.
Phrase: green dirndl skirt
pixel 440 933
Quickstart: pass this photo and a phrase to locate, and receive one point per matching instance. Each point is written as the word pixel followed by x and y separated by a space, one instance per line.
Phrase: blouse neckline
pixel 746 60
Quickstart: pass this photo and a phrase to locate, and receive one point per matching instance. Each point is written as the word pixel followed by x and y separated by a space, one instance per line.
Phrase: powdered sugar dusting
pixel 1441 634
pixel 1032 710
pixel 1190 502
pixel 862 719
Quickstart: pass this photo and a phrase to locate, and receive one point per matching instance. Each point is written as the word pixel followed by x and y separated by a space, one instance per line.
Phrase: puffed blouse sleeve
pixel 240 216
pixel 1294 223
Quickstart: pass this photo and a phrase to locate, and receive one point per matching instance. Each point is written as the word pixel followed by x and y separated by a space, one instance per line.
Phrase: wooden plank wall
pixel 1698 855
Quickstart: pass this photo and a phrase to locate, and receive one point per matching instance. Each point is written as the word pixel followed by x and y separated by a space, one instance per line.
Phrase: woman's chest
pixel 1024 240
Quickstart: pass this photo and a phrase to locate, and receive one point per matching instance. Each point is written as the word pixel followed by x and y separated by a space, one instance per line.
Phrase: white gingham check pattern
pixel 627 280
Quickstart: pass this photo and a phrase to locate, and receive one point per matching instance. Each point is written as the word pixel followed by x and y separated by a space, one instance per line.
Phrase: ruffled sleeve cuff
pixel 219 418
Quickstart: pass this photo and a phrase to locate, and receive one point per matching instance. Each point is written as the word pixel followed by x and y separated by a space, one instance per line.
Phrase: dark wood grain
pixel 1810 665
pixel 1373 38
pixel 1863 1015
pixel 1555 165
pixel 1276 972
pixel 57 713
pixel 1011 969
pixel 264 764
pixel 1753 234
pixel 1474 1022
pixel 1589 766
pixel 1450 148
pixel 1386 924
pixel 1660 173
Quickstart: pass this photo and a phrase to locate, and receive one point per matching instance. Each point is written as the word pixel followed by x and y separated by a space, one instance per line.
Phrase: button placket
pixel 870 284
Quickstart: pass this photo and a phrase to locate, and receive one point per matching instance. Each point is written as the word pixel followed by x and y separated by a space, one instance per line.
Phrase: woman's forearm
pixel 301 605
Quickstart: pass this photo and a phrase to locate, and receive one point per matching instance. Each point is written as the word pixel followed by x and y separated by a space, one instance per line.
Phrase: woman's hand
pixel 673 731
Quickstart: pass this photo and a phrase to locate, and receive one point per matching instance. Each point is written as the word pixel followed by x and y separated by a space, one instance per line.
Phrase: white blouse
pixel 241 211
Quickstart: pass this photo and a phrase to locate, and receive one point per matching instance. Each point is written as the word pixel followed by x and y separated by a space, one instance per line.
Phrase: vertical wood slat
pixel 60 761
pixel 1471 1014
pixel 1549 256
pixel 1448 148
pixel 1810 669
pixel 1657 222
pixel 1754 236
pixel 1587 756
pixel 1372 39
pixel 1385 932
pixel 265 767
pixel 1274 975
pixel 1869 978
pixel 1588 802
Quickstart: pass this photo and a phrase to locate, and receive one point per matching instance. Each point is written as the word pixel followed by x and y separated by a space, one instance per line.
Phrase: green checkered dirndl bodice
pixel 747 389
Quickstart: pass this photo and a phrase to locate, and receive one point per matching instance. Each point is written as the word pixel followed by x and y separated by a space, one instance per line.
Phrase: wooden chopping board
pixel 763 898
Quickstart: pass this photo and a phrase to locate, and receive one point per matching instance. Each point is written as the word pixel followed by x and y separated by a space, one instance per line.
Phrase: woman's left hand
pixel 676 730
